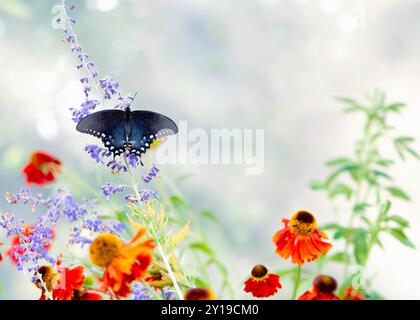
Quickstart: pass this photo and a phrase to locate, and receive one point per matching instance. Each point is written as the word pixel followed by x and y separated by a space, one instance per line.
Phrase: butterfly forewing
pixel 107 125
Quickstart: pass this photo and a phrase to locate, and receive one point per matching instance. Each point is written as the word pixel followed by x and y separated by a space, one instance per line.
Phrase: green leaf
pixel 379 173
pixel 353 105
pixel 316 185
pixel 395 107
pixel 412 152
pixel 385 208
pixel 402 147
pixel 398 193
pixel 366 220
pixel 360 208
pixel 210 216
pixel 89 281
pixel 338 161
pixel 330 226
pixel 405 139
pixel 347 168
pixel 339 257
pixel 341 189
pixel 360 247
pixel 121 216
pixel 385 162
pixel 178 202
pixel 201 246
pixel 399 220
pixel 341 233
pixel 379 243
pixel 285 272
pixel 200 283
pixel 401 236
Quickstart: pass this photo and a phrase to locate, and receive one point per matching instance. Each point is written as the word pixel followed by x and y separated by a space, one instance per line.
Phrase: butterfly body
pixel 127 131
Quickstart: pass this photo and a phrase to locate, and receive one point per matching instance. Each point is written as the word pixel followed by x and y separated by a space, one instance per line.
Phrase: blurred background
pixel 275 65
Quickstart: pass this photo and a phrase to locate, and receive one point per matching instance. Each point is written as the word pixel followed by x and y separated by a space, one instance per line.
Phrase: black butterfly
pixel 132 131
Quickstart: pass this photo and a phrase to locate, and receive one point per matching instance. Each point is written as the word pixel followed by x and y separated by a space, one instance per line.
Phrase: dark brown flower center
pixel 259 271
pixel 302 223
pixel 305 217
pixel 47 277
pixel 325 283
pixel 198 294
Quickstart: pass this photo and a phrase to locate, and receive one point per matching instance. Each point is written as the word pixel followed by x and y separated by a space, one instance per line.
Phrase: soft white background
pixel 270 64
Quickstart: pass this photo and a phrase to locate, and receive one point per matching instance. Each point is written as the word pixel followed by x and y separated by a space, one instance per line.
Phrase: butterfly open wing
pixel 107 125
pixel 146 127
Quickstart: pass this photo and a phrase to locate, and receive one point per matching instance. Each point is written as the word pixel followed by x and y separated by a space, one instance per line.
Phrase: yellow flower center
pixel 259 272
pixel 104 248
pixel 302 223
pixel 325 283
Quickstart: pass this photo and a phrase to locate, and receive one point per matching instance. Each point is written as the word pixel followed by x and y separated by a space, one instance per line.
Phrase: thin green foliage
pixel 363 181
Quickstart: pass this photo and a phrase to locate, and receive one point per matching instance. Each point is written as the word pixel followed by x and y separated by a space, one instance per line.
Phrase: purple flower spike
pixel 97 153
pixel 151 174
pixel 85 109
pixel 109 189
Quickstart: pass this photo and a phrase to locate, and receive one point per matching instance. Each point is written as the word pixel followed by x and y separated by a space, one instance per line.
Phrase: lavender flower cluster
pixel 107 84
pixel 32 249
pixel 82 234
pixel 145 195
pixel 103 156
pixel 33 246
pixel 140 292
pixel 109 189
pixel 153 173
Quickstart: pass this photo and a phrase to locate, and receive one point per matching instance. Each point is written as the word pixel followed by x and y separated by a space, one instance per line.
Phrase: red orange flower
pixel 62 283
pixel 323 288
pixel 353 294
pixel 262 284
pixel 41 168
pixel 16 249
pixel 199 294
pixel 300 239
pixel 123 263
pixel 1 257
pixel 68 281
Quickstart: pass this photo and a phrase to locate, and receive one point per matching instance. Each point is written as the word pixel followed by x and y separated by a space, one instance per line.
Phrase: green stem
pixel 297 281
pixel 197 226
pixel 155 236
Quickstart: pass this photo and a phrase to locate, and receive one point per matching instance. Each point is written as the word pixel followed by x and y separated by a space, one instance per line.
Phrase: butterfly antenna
pixel 131 100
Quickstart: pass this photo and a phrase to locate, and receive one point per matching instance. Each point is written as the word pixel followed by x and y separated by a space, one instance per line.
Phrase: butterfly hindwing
pixel 107 125
pixel 146 127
